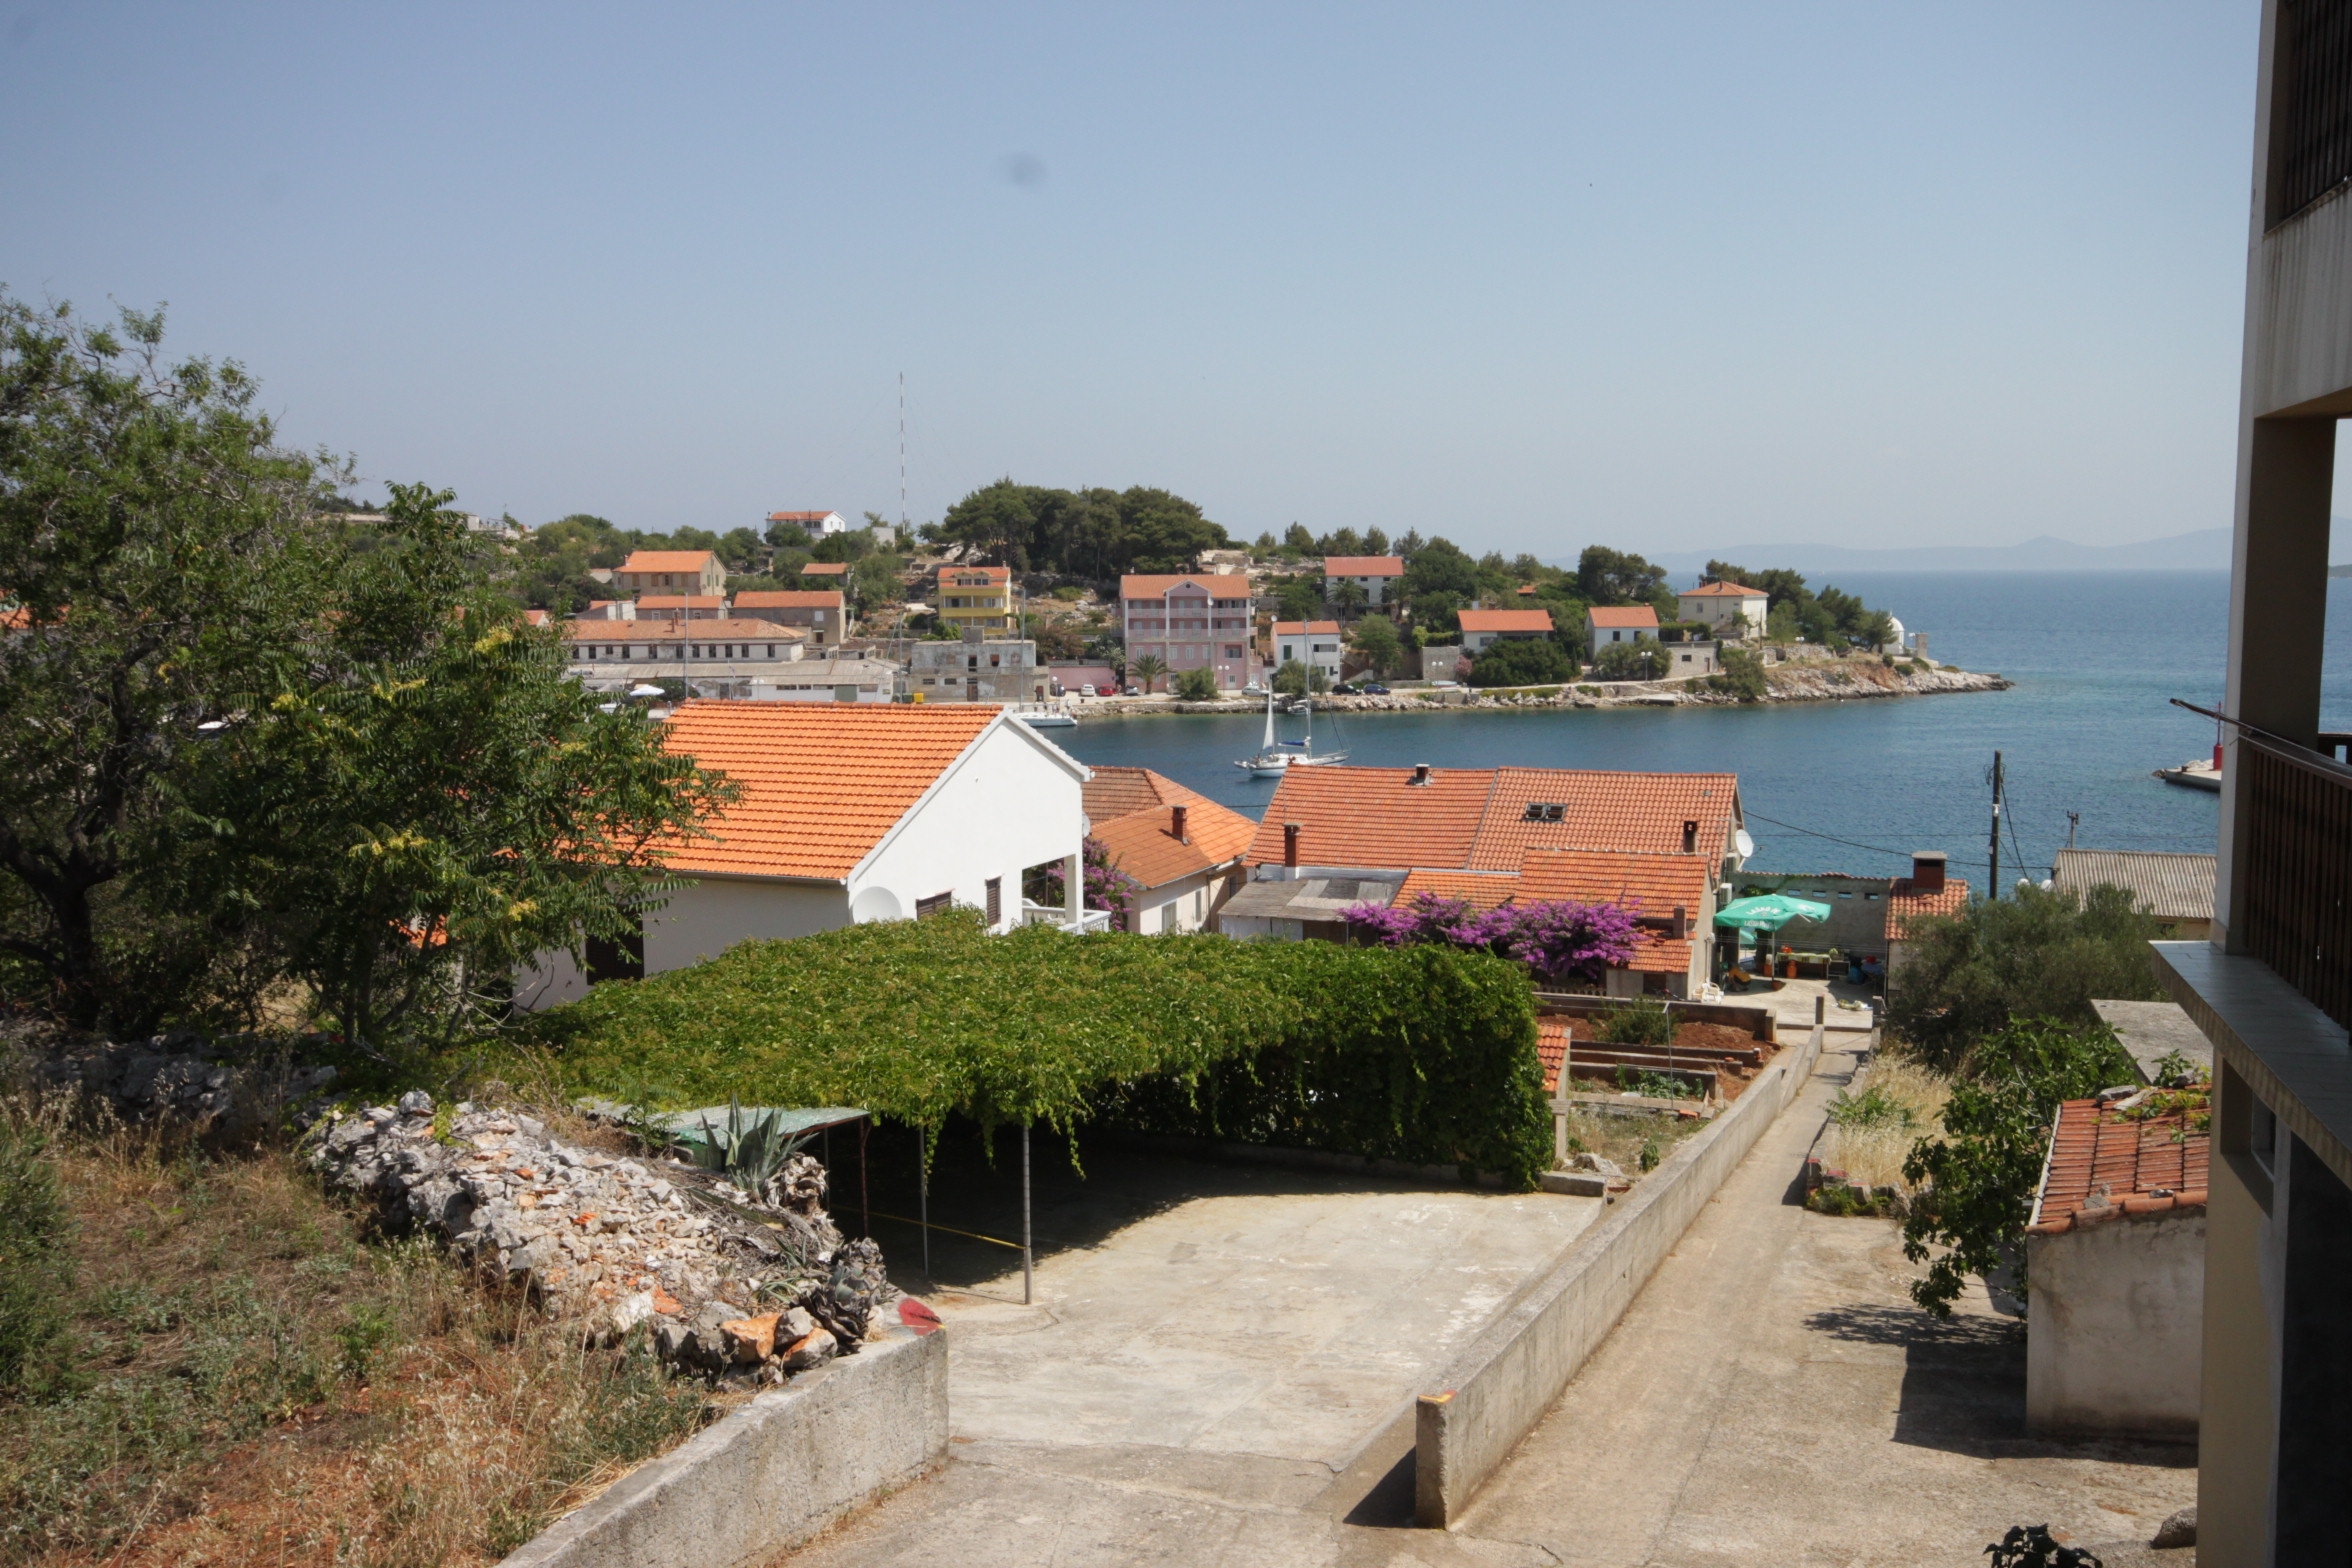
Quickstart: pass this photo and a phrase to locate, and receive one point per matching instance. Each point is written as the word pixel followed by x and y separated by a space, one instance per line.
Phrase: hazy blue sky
pixel 1660 276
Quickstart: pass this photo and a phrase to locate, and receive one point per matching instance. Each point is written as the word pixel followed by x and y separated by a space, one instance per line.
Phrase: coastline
pixel 1789 683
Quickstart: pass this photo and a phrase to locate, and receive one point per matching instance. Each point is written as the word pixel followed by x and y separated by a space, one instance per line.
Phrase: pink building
pixel 1190 622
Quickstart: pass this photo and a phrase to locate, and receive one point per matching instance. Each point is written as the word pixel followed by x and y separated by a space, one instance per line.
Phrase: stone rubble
pixel 733 1284
pixel 226 1085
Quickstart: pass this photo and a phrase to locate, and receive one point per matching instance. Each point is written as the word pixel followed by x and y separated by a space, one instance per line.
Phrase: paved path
pixel 1770 1398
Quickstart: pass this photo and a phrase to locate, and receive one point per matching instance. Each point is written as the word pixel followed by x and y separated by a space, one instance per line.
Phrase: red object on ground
pixel 917 1316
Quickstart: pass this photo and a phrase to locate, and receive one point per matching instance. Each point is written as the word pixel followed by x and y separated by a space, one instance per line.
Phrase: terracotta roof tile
pixel 1141 841
pixel 789 599
pixel 1151 585
pixel 1623 615
pixel 1363 566
pixel 821 782
pixel 1633 813
pixel 825 569
pixel 1506 620
pixel 975 576
pixel 1905 904
pixel 650 628
pixel 665 560
pixel 1305 628
pixel 1722 591
pixel 1653 885
pixel 1375 817
pixel 2135 1167
pixel 1551 1048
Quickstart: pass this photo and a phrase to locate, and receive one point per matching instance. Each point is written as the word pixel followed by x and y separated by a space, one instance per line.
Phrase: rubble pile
pixel 733 1283
pixel 232 1084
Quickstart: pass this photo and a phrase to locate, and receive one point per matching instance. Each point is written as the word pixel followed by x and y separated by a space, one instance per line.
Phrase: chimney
pixel 1681 926
pixel 1290 835
pixel 1178 812
pixel 1690 838
pixel 1420 772
pixel 1927 871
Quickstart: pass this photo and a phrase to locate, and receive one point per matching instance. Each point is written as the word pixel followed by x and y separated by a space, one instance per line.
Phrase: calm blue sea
pixel 2094 656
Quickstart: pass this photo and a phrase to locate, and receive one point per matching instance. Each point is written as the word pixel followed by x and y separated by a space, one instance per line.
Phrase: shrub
pixel 1646 1022
pixel 1555 938
pixel 2037 955
pixel 1424 1054
pixel 1742 677
pixel 32 1246
pixel 1639 660
pixel 1196 685
pixel 1521 661
pixel 1984 1171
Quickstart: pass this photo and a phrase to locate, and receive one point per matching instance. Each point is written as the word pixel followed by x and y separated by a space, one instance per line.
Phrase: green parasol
pixel 1769 912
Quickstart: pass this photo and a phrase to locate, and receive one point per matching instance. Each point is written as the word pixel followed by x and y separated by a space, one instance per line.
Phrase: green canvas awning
pixel 1769 912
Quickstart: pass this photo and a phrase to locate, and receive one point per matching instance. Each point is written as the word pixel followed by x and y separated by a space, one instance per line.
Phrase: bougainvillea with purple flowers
pixel 1559 939
pixel 1102 885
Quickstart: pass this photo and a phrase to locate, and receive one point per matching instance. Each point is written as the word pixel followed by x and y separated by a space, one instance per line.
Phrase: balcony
pixel 1033 914
pixel 2295 871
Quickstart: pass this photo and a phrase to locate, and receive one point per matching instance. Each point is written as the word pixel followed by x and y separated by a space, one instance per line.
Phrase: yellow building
pixel 976 596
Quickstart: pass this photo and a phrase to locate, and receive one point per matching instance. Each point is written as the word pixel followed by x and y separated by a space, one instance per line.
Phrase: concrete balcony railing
pixel 2295 908
pixel 1056 915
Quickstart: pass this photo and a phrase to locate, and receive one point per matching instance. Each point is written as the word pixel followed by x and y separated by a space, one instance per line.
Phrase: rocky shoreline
pixel 1825 680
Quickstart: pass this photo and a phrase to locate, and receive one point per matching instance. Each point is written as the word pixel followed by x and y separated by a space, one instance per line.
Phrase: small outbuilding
pixel 2115 1263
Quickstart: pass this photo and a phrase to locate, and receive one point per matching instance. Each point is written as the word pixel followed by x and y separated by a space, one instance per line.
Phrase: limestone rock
pixel 2178 1530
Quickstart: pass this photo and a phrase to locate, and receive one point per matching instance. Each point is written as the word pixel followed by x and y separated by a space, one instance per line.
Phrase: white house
pixel 1482 629
pixel 1319 645
pixel 815 524
pixel 849 813
pixel 1183 852
pixel 1605 624
pixel 1730 608
pixel 1377 575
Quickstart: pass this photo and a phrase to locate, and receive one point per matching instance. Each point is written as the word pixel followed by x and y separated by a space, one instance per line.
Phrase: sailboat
pixel 1279 756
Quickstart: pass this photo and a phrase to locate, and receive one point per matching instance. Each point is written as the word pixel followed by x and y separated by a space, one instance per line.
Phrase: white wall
pixel 1186 904
pixel 712 914
pixel 2115 1342
pixel 1010 803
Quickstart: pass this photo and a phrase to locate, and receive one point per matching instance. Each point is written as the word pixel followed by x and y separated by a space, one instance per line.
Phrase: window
pixel 845 694
pixel 925 908
pixel 1543 811
pixel 995 887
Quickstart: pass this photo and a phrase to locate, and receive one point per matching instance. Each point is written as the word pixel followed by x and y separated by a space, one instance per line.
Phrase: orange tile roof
pixel 658 602
pixel 1149 585
pixel 1621 615
pixel 1723 591
pixel 1510 620
pixel 1476 819
pixel 821 782
pixel 1115 792
pixel 825 569
pixel 1653 885
pixel 1551 1048
pixel 1305 628
pixel 1363 566
pixel 665 560
pixel 1143 842
pixel 657 628
pixel 789 599
pixel 975 576
pixel 2155 1166
pixel 798 517
pixel 535 617
pixel 1906 905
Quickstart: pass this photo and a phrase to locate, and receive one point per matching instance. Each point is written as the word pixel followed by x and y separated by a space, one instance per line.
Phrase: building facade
pixel 671 571
pixel 1376 575
pixel 822 614
pixel 1319 645
pixel 1605 624
pixel 1482 629
pixel 1730 608
pixel 975 598
pixel 976 669
pixel 719 658
pixel 1191 622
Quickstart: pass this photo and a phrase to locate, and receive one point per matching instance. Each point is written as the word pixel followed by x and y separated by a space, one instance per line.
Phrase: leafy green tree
pixel 1606 576
pixel 1441 567
pixel 426 800
pixel 851 544
pixel 1348 599
pixel 1197 685
pixel 1742 676
pixel 1979 1179
pixel 158 547
pixel 1438 614
pixel 1146 670
pixel 1296 537
pixel 1340 541
pixel 787 536
pixel 1878 631
pixel 2036 955
pixel 876 580
pixel 1377 643
pixel 1780 624
pixel 1264 544
pixel 1410 545
pixel 1521 661
pixel 1292 678
pixel 742 550
pixel 1299 598
pixel 1375 542
pixel 1642 659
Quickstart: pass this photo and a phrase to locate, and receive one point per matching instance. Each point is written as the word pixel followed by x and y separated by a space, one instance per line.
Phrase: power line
pixel 1876 849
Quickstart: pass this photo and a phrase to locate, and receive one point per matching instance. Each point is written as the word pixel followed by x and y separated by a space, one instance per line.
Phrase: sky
pixel 1535 276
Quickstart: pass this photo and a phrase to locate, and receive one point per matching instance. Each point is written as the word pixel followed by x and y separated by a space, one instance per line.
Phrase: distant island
pixel 2206 549
pixel 2340 571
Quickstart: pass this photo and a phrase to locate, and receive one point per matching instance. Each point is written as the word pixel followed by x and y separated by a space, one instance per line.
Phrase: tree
pixel 1410 545
pixel 1296 537
pixel 427 800
pixel 159 549
pixel 875 580
pixel 1340 541
pixel 787 536
pixel 1742 676
pixel 1146 670
pixel 1300 598
pixel 1606 576
pixel 1091 533
pixel 742 550
pixel 1642 659
pixel 1375 542
pixel 1292 678
pixel 1377 643
pixel 1521 661
pixel 1878 630
pixel 1197 685
pixel 2037 955
pixel 1348 598
pixel 851 544
pixel 1440 567
pixel 1438 614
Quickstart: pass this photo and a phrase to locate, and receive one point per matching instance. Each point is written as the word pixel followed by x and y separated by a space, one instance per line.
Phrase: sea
pixel 1857 786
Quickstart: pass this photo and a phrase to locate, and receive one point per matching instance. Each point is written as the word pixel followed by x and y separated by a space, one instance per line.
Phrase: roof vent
pixel 1420 772
pixel 1927 871
pixel 1690 838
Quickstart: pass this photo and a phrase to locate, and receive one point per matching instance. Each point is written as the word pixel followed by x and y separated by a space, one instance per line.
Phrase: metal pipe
pixel 865 1191
pixel 1027 1257
pixel 923 1189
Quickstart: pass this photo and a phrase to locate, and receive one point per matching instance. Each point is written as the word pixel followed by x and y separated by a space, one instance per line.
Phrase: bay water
pixel 1856 786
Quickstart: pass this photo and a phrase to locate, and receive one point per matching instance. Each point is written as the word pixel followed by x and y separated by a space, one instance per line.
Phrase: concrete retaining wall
pixel 1500 1384
pixel 1762 1023
pixel 772 1474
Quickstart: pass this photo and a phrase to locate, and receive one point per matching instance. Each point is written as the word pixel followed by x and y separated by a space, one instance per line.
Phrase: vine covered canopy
pixel 1421 1053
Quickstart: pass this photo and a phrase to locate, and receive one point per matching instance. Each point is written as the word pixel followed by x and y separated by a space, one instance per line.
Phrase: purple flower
pixel 1559 939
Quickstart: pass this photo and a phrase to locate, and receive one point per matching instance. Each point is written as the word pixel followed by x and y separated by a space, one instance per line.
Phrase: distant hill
pixel 2208 549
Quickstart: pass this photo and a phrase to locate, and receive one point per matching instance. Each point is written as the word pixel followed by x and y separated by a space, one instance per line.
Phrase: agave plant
pixel 749 1151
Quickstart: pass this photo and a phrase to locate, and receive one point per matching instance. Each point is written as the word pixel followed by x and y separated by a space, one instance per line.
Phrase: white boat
pixel 1280 756
pixel 2196 773
pixel 1045 716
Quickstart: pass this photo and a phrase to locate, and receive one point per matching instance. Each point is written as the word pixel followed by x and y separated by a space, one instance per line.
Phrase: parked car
pixel 1374 689
pixel 1343 689
pixel 1134 691
pixel 1088 690
pixel 1253 689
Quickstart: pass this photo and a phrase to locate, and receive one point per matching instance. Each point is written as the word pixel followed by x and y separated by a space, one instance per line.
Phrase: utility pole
pixel 1995 891
pixel 2073 821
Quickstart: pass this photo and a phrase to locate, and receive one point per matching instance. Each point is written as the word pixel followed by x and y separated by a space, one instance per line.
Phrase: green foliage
pixel 1422 1053
pixel 1292 679
pixel 1606 576
pixel 1832 617
pixel 1742 675
pixel 1377 643
pixel 1653 1085
pixel 1438 614
pixel 748 1152
pixel 1980 1177
pixel 1094 533
pixel 1297 598
pixel 1873 1107
pixel 1521 661
pixel 1643 1022
pixel 1440 567
pixel 1847 1201
pixel 1146 670
pixel 34 1267
pixel 2036 955
pixel 1639 660
pixel 1196 685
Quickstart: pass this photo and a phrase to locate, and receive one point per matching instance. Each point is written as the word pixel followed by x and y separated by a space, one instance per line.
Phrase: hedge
pixel 1421 1054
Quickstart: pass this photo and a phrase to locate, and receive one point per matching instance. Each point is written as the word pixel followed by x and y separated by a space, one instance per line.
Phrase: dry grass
pixel 1637 1143
pixel 1898 1102
pixel 248 1376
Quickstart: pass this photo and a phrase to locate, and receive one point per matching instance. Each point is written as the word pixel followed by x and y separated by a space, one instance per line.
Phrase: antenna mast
pixel 902 512
pixel 1995 890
